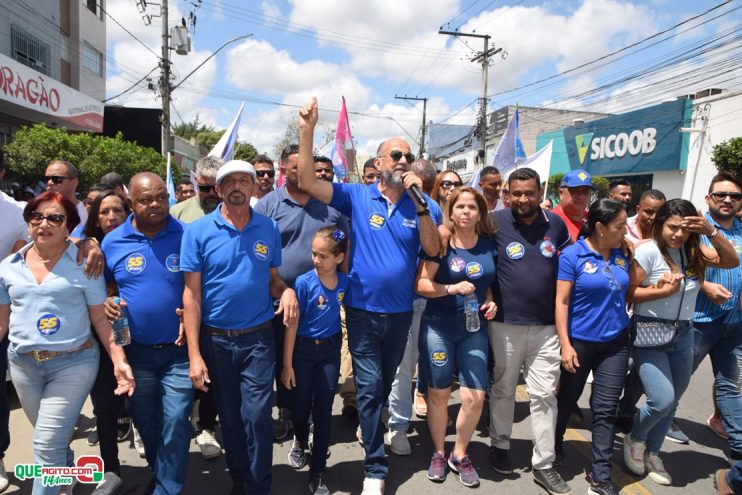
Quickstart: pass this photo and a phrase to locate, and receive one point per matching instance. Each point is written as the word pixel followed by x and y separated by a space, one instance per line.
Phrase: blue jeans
pixel 665 375
pixel 724 344
pixel 317 368
pixel 160 407
pixel 241 369
pixel 4 406
pixel 376 342
pixel 52 394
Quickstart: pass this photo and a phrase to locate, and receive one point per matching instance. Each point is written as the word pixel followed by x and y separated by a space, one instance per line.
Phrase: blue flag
pixel 509 151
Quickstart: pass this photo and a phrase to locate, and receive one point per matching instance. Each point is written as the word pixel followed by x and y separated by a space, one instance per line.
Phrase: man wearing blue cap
pixel 574 199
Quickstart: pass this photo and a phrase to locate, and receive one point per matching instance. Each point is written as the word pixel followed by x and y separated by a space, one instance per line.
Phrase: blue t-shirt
pixel 235 268
pixel 476 265
pixel 597 306
pixel 147 273
pixel 527 263
pixel 384 247
pixel 297 224
pixel 319 307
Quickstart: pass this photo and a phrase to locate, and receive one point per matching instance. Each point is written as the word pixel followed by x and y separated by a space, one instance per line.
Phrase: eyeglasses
pixel 721 196
pixel 263 173
pixel 56 179
pixel 447 184
pixel 615 286
pixel 54 219
pixel 373 176
pixel 397 155
pixel 204 188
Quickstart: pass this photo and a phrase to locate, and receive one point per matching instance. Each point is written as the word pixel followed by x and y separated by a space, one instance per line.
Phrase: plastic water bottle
pixel 121 333
pixel 471 310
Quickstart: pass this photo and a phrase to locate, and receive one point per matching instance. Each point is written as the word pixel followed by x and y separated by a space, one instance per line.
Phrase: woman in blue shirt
pixel 592 324
pixel 447 341
pixel 46 307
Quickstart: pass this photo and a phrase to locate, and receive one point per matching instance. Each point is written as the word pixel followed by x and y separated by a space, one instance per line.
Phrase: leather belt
pixel 39 355
pixel 220 332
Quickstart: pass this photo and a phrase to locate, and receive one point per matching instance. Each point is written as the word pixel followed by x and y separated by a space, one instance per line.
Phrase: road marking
pixel 584 447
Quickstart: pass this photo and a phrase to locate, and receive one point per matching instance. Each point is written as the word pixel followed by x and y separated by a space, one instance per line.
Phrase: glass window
pixel 92 60
pixel 30 50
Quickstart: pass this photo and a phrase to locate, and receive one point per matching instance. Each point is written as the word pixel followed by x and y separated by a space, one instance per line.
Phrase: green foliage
pixel 727 156
pixel 245 151
pixel 602 184
pixel 191 130
pixel 33 148
pixel 207 137
pixel 552 186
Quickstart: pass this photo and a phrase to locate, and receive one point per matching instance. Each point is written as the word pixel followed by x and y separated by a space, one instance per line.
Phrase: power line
pixel 133 85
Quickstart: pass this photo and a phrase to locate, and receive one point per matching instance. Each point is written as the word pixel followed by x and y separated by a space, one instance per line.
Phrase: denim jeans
pixel 724 344
pixel 376 342
pixel 52 393
pixel 400 397
pixel 160 407
pixel 241 369
pixel 608 361
pixel 734 477
pixel 317 368
pixel 665 374
pixel 4 406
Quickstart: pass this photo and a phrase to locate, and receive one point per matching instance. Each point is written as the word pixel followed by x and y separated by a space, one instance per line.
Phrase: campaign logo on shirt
pixel 172 263
pixel 341 296
pixel 474 270
pixel 48 324
pixel 321 302
pixel 590 267
pixel 439 357
pixel 409 223
pixel 260 249
pixel 691 274
pixel 620 262
pixel 136 263
pixel 376 221
pixel 457 264
pixel 547 248
pixel 515 250
pixel 737 247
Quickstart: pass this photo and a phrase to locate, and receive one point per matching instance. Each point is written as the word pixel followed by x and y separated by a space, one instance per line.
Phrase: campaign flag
pixel 169 182
pixel 224 148
pixel 509 152
pixel 343 143
pixel 539 161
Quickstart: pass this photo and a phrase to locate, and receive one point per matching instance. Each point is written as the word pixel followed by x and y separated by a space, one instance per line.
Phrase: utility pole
pixel 425 107
pixel 165 80
pixel 484 58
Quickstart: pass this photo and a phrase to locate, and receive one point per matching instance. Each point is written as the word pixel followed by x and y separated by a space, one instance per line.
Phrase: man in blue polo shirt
pixel 298 216
pixel 142 261
pixel 389 228
pixel 523 333
pixel 230 261
pixel 718 319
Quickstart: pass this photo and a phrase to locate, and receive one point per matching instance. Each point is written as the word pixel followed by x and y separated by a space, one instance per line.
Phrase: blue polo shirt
pixel 297 225
pixel 731 278
pixel 52 315
pixel 147 273
pixel 597 305
pixel 475 265
pixel 527 263
pixel 319 307
pixel 235 268
pixel 384 247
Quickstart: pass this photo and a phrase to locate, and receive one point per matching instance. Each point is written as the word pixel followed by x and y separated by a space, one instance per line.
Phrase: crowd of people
pixel 244 295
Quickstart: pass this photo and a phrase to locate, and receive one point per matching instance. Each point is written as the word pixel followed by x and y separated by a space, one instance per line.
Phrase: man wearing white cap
pixel 227 256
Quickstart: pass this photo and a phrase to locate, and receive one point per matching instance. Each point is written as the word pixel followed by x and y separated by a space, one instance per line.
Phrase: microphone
pixel 419 196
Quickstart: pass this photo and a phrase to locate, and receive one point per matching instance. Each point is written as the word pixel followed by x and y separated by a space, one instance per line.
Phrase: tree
pixel 207 137
pixel 32 148
pixel 245 151
pixel 190 130
pixel 290 136
pixel 727 156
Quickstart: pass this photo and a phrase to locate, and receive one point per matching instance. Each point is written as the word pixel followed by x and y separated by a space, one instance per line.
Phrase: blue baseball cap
pixel 577 178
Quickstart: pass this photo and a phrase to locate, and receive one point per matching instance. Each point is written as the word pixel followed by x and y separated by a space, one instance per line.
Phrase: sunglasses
pixel 721 196
pixel 54 220
pixel 447 184
pixel 397 155
pixel 56 179
pixel 204 188
pixel 263 173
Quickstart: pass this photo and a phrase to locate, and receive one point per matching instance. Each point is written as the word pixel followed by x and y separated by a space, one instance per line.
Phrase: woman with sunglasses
pixel 46 307
pixel 592 324
pixel 666 275
pixel 445 184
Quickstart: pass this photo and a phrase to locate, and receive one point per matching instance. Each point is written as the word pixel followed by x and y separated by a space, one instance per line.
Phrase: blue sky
pixel 368 51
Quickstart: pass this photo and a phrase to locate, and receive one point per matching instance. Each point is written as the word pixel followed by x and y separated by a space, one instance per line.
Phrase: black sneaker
pixel 601 487
pixel 93 439
pixel 124 429
pixel 500 461
pixel 297 454
pixel 552 481
pixel 283 426
pixel 317 486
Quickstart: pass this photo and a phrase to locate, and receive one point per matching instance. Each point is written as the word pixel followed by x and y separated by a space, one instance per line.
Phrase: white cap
pixel 234 166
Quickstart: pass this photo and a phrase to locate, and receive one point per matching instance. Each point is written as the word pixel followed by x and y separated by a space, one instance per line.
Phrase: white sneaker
pixel 138 444
pixel 210 448
pixel 373 486
pixel 359 436
pixel 111 482
pixel 656 470
pixel 398 442
pixel 4 480
pixel 633 455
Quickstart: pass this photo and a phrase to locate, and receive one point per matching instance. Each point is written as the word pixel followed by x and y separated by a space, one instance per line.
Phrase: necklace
pixel 38 257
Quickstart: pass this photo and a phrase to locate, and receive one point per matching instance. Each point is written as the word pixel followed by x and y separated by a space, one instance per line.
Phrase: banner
pixel 224 148
pixel 343 144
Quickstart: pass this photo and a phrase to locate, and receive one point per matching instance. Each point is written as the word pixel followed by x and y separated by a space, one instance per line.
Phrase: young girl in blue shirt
pixel 311 357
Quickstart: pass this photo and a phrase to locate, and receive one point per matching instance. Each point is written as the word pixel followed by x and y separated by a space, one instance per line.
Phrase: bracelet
pixel 423 212
pixel 447 287
pixel 87 239
pixel 714 233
